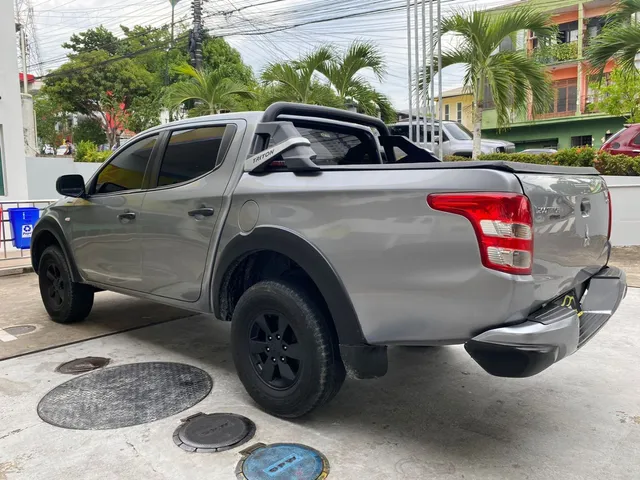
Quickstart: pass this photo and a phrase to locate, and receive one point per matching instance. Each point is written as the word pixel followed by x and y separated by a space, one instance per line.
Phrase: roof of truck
pixel 248 116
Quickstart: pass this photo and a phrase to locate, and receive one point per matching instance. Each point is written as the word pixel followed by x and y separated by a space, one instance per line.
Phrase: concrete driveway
pixel 436 415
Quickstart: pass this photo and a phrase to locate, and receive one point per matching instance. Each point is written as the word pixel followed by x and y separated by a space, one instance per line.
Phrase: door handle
pixel 201 212
pixel 127 216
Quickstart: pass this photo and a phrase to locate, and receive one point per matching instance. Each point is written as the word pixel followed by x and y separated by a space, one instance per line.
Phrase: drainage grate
pixel 282 461
pixel 214 432
pixel 125 395
pixel 20 330
pixel 82 365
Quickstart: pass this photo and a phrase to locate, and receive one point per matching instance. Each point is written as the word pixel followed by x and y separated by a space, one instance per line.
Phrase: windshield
pixel 458 131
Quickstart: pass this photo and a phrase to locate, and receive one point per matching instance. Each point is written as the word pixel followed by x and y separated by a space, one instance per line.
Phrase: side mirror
pixel 71 186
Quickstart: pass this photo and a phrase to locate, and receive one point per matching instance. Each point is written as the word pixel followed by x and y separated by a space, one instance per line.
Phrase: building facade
pixel 573 120
pixel 456 106
pixel 13 170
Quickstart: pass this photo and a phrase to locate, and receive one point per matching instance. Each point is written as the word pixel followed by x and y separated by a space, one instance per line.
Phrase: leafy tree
pixel 91 40
pixel 91 84
pixel 515 79
pixel 89 129
pixel 51 119
pixel 212 91
pixel 619 40
pixel 144 113
pixel 621 97
pixel 297 79
pixel 344 74
pixel 219 56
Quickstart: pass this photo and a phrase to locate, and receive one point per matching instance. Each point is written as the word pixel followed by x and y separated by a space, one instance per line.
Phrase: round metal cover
pixel 282 461
pixel 124 395
pixel 82 365
pixel 214 432
pixel 18 330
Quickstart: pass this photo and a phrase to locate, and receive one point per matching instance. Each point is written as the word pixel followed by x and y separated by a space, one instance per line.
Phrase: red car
pixel 626 141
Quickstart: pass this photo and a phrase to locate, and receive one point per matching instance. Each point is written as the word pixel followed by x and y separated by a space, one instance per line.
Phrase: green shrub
pixel 87 151
pixel 604 162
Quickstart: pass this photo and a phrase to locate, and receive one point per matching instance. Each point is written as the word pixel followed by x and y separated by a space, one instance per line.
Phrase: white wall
pixel 11 133
pixel 42 173
pixel 625 199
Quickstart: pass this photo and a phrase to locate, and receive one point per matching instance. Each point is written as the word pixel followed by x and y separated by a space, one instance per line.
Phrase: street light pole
pixel 23 51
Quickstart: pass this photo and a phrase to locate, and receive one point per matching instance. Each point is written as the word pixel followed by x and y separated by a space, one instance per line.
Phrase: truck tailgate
pixel 571 229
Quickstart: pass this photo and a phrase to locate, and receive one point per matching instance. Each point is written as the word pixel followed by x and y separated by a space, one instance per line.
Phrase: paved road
pixel 436 415
pixel 20 306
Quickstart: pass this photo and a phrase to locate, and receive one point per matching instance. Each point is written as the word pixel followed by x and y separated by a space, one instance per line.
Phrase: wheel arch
pixel 294 247
pixel 48 232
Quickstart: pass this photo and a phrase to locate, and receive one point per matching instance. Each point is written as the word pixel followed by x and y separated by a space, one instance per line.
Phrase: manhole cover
pixel 20 330
pixel 125 395
pixel 82 365
pixel 282 461
pixel 214 432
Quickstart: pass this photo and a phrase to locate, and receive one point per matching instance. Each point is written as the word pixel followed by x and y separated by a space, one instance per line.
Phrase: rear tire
pixel 284 350
pixel 64 300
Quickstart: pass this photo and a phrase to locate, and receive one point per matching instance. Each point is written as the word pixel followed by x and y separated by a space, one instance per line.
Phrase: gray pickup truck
pixel 305 229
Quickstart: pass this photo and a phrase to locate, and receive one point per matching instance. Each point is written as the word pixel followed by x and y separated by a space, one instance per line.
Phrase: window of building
pixel 446 112
pixel 582 141
pixel 568 32
pixel 506 45
pixel 595 25
pixel 190 154
pixel 126 170
pixel 459 112
pixel 565 96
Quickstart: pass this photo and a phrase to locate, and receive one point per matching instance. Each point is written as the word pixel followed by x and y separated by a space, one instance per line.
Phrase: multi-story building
pixel 573 119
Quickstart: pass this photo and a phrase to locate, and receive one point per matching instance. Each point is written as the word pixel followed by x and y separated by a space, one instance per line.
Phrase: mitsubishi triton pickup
pixel 324 239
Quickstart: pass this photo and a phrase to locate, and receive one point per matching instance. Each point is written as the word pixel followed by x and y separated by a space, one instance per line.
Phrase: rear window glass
pixel 190 154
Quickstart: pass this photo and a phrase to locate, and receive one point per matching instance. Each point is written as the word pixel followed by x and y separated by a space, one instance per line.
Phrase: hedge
pixel 604 162
pixel 87 151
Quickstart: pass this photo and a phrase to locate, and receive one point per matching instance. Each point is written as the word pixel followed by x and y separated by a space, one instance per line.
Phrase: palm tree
pixel 513 78
pixel 619 40
pixel 345 75
pixel 210 90
pixel 296 80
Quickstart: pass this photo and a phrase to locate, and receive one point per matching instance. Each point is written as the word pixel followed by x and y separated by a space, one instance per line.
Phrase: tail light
pixel 503 224
pixel 610 214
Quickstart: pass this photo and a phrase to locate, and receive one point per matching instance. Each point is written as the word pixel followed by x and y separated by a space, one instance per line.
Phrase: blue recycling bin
pixel 22 221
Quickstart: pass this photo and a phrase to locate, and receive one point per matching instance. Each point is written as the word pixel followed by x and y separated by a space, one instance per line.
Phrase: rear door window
pixel 190 154
pixel 336 148
pixel 126 170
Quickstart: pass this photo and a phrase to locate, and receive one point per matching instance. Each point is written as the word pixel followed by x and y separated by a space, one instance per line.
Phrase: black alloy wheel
pixel 275 352
pixel 55 286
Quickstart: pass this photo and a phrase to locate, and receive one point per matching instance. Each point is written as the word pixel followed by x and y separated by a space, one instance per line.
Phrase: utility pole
pixel 23 52
pixel 195 42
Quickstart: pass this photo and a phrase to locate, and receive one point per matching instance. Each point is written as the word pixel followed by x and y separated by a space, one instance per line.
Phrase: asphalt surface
pixel 435 415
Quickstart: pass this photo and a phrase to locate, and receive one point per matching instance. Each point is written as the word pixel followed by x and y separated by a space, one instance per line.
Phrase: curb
pixel 5 272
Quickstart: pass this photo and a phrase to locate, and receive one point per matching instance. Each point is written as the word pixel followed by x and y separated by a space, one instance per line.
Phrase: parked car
pixel 456 139
pixel 537 151
pixel 288 224
pixel 625 141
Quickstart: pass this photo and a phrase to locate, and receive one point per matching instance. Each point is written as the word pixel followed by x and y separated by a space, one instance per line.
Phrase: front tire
pixel 284 350
pixel 64 300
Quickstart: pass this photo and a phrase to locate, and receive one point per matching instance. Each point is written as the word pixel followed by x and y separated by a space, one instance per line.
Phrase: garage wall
pixel 625 197
pixel 42 173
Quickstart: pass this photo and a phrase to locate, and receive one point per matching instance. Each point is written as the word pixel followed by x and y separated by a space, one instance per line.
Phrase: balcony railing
pixel 545 116
pixel 558 53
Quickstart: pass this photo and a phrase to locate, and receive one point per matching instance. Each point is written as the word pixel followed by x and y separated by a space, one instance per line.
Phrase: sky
pixel 244 24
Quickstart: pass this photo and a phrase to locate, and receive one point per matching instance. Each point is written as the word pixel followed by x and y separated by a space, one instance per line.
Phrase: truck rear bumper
pixel 551 333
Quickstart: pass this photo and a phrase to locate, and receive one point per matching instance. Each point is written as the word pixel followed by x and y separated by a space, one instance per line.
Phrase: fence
pixel 8 251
